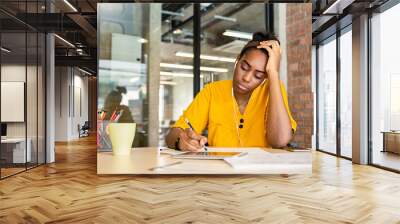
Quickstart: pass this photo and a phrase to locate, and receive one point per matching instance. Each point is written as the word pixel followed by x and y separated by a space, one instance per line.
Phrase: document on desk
pixel 264 160
pixel 168 151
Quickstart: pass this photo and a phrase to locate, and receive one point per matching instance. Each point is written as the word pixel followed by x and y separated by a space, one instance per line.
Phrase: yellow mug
pixel 121 136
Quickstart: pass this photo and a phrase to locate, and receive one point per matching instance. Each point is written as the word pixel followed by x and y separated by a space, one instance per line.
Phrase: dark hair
pixel 255 41
pixel 121 89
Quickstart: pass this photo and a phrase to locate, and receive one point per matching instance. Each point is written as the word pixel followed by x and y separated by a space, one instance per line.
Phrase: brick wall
pixel 299 36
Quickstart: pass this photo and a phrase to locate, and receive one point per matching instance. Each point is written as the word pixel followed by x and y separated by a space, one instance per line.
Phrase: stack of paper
pixel 168 151
pixel 266 160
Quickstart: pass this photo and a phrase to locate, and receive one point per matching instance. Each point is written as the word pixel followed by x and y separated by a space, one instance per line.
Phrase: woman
pixel 249 111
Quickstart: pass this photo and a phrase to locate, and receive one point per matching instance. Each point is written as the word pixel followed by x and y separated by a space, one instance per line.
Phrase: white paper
pixel 264 160
pixel 168 151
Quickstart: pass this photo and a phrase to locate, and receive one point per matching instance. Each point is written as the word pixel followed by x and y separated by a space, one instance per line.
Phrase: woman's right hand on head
pixel 191 141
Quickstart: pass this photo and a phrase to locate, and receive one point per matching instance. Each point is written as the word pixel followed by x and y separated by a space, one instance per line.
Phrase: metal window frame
pixel 381 9
pixel 196 47
pixel 387 5
pixel 339 32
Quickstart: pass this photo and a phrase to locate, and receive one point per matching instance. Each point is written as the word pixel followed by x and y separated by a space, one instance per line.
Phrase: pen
pixel 166 165
pixel 191 127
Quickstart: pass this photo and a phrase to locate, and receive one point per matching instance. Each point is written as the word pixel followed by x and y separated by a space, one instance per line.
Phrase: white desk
pixel 19 149
pixel 142 159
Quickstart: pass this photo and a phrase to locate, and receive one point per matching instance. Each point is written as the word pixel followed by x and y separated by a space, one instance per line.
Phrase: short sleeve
pixel 285 99
pixel 197 112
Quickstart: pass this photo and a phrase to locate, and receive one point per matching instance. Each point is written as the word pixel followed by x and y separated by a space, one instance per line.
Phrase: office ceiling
pixel 80 27
pixel 331 15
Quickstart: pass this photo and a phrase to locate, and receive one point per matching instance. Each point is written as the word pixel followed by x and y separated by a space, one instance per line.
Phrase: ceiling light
pixel 84 71
pixel 205 5
pixel 177 31
pixel 65 41
pixel 230 19
pixel 168 83
pixel 238 34
pixel 167 65
pixel 212 69
pixel 189 67
pixel 337 7
pixel 205 57
pixel 70 5
pixel 142 40
pixel 172 13
pixel 178 74
pixel 5 50
pixel 185 75
pixel 134 79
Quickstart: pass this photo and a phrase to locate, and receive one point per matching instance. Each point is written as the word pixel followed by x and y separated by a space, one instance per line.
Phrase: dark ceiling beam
pixel 83 61
pixel 185 22
pixel 212 21
pixel 49 22
pixel 16 18
pixel 269 18
pixel 203 1
pixel 91 6
pixel 322 22
pixel 84 24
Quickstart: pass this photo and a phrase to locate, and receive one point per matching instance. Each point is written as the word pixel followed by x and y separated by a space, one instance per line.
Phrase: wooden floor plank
pixel 70 191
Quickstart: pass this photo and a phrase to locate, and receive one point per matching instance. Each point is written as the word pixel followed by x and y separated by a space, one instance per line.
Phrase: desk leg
pixel 384 142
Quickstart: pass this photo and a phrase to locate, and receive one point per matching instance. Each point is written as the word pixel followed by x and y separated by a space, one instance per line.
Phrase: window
pixel 385 89
pixel 346 93
pixel 327 96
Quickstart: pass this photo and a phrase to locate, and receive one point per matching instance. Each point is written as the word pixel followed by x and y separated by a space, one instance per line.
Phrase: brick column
pixel 299 37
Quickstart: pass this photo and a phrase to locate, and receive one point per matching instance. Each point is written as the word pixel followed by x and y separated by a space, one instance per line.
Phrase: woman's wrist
pixel 273 76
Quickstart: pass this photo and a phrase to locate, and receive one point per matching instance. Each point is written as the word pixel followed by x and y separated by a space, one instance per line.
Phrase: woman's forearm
pixel 279 130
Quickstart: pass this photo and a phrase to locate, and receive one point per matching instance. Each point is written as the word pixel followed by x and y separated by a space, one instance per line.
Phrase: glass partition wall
pixel 22 87
pixel 122 73
pixel 385 89
pixel 334 94
pixel 327 95
pixel 127 36
pixel 125 30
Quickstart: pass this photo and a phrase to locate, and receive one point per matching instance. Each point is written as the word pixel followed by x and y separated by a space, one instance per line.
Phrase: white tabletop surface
pixel 13 140
pixel 141 160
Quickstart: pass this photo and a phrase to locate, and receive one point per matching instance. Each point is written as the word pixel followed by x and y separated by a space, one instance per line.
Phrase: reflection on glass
pixel 226 35
pixel 31 98
pixel 386 89
pixel 327 96
pixel 176 69
pixel 41 150
pixel 22 91
pixel 346 94
pixel 122 74
pixel 13 86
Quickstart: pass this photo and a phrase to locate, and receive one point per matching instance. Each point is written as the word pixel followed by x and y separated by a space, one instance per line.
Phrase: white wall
pixel 33 127
pixel 16 73
pixel 71 94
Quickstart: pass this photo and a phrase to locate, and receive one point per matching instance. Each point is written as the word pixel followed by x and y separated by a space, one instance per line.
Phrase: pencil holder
pixel 121 135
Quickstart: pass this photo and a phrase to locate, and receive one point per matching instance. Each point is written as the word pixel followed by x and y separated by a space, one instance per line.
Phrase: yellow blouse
pixel 216 109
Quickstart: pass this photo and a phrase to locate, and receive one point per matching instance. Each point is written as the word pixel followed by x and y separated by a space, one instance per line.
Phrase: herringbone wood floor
pixel 69 191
